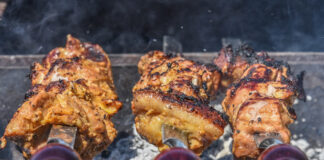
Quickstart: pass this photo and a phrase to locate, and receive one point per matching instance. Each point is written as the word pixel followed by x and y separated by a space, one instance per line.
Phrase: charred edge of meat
pixel 243 81
pixel 209 66
pixel 155 74
pixel 81 81
pixel 166 55
pixel 300 86
pixel 212 67
pixel 29 94
pixel 276 64
pixel 50 56
pixel 62 63
pixel 182 97
pixel 292 113
pixel 172 54
pixel 292 85
pixel 246 52
pixel 33 72
pixel 201 109
pixel 177 95
pixel 204 86
pixel 94 53
pixel 54 64
pixel 60 84
pixel 75 59
pixel 224 116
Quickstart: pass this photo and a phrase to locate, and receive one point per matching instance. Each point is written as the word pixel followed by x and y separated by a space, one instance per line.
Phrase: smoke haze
pixel 125 26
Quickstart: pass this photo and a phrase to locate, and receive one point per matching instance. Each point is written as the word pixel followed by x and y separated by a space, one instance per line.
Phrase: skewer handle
pixel 55 151
pixel 281 152
pixel 177 153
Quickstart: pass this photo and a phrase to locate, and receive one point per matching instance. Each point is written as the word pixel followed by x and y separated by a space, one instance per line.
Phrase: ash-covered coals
pixel 133 147
pixel 313 153
pixel 220 149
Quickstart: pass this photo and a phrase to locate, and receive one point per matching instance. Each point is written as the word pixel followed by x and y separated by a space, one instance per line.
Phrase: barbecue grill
pixel 307 131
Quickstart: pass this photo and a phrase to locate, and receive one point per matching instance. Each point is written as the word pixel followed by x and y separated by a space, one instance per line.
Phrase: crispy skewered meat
pixel 176 92
pixel 260 98
pixel 73 86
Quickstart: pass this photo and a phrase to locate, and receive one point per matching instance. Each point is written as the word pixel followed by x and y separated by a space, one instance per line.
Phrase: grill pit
pixel 307 131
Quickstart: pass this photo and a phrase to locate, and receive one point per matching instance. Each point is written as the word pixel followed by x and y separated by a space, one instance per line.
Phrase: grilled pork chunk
pixel 73 86
pixel 260 98
pixel 176 92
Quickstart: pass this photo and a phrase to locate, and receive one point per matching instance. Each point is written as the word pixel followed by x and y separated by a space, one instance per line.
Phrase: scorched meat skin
pixel 73 86
pixel 260 97
pixel 175 91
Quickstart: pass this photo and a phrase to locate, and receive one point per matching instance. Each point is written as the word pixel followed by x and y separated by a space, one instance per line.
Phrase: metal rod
pixel 124 60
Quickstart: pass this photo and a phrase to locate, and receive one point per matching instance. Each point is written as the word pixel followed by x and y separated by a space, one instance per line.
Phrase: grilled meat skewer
pixel 74 87
pixel 259 99
pixel 174 91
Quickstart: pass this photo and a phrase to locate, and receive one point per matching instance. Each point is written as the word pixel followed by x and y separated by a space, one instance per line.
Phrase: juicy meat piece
pixel 176 92
pixel 73 86
pixel 232 64
pixel 260 98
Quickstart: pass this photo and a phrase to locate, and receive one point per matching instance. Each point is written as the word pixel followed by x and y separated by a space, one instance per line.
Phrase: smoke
pixel 37 26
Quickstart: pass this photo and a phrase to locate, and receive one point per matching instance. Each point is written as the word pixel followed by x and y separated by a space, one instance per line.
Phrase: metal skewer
pixel 178 143
pixel 275 149
pixel 173 137
pixel 60 145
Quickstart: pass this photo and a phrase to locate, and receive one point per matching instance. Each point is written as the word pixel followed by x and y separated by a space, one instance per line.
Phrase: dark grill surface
pixel 123 26
pixel 308 132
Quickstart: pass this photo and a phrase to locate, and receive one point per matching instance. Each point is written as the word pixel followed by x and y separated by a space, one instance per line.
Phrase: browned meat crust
pixel 260 97
pixel 73 86
pixel 176 91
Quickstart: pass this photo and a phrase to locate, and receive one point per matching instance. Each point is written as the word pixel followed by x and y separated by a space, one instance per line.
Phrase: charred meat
pixel 260 97
pixel 175 91
pixel 73 86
